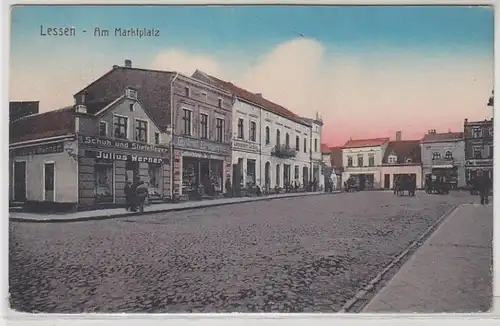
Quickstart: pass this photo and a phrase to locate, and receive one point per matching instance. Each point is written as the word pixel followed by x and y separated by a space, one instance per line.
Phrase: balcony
pixel 283 151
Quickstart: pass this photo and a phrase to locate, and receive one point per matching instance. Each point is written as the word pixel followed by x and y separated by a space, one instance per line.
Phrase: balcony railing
pixel 283 151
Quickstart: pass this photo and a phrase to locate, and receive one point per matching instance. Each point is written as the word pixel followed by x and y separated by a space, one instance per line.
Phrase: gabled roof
pixel 43 125
pixel 372 142
pixel 442 137
pixel 250 97
pixel 325 149
pixel 336 157
pixel 404 150
pixel 153 88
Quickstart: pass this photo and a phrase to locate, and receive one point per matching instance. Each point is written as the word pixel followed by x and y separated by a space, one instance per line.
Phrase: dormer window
pixel 408 160
pixel 392 159
pixel 131 93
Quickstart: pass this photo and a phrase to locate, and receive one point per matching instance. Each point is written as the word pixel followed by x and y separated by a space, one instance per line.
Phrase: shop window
pixel 305 145
pixel 204 126
pixel 141 130
pixel 297 143
pixel 103 128
pixel 121 126
pixel 349 161
pixel 268 136
pixel 253 131
pixel 240 129
pixel 155 180
pixel 104 182
pixel 219 130
pixel 250 172
pixel 371 160
pixel 186 119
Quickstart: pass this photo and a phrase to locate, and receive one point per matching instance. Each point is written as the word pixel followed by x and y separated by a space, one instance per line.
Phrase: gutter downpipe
pixel 172 137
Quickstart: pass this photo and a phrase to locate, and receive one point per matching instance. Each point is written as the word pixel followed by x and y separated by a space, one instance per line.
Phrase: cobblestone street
pixel 308 254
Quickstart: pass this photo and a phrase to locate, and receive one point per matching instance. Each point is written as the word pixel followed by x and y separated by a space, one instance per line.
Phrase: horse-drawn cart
pixel 436 184
pixel 405 182
pixel 351 185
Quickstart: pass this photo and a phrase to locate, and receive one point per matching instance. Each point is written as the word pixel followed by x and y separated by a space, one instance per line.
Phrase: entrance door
pixel 387 181
pixel 49 181
pixel 20 181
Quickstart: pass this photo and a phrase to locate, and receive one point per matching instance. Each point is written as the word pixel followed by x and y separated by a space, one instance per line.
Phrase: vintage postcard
pixel 235 158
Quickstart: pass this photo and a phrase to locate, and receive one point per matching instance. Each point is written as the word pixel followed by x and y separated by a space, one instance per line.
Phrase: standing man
pixel 129 195
pixel 483 185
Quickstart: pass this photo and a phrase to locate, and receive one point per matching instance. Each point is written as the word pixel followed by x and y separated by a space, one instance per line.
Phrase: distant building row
pixel 456 155
pixel 185 136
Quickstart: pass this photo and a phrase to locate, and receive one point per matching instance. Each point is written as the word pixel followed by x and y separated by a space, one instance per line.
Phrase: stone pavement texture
pixel 156 208
pixel 305 254
pixel 450 272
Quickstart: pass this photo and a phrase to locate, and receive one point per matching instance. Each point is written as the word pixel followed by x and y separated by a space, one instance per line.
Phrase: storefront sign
pixel 479 162
pixel 202 155
pixel 124 157
pixel 243 145
pixel 40 149
pixel 201 145
pixel 119 143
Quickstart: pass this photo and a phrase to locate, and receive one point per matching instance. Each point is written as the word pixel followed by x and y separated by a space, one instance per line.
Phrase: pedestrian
pixel 484 186
pixel 141 194
pixel 129 195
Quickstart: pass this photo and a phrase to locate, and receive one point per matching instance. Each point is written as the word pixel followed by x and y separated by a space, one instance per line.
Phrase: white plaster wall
pixel 378 151
pixel 402 169
pixel 66 174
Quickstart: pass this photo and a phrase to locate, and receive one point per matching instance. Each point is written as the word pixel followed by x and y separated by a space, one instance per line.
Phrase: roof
pixel 442 137
pixel 336 156
pixel 153 89
pixel 251 97
pixel 372 142
pixel 404 150
pixel 325 149
pixel 43 125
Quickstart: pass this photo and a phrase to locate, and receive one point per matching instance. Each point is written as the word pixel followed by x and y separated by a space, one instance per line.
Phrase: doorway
pixel 20 181
pixel 131 171
pixel 49 182
pixel 387 181
pixel 267 176
pixel 362 181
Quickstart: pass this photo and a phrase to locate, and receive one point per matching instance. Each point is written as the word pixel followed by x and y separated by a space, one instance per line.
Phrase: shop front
pixel 473 166
pixel 105 165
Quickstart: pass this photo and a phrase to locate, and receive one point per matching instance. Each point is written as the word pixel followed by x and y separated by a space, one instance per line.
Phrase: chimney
pixel 398 135
pixel 128 63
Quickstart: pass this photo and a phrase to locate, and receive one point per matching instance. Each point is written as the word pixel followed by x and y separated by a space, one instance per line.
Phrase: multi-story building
pixel 197 116
pixel 478 137
pixel 401 157
pixel 282 139
pixel 317 173
pixel 444 154
pixel 80 157
pixel 362 159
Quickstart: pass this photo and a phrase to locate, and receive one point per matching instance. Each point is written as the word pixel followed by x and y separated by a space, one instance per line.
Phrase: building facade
pixel 317 173
pixel 337 164
pixel 401 157
pixel 478 137
pixel 362 159
pixel 444 154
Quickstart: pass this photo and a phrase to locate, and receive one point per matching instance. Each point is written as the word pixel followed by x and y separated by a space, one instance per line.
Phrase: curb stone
pixel 371 285
pixel 166 210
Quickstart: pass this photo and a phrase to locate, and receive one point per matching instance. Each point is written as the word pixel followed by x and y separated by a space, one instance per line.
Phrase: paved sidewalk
pixel 156 208
pixel 450 272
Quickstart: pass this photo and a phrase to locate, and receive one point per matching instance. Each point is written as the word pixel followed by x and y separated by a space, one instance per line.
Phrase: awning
pixel 443 166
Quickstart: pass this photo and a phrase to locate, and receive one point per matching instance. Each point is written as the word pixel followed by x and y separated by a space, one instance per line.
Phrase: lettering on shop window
pixel 107 156
pixel 106 142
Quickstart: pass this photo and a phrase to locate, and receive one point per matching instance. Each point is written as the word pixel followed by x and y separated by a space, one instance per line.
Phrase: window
pixel 131 93
pixel 287 140
pixel 103 190
pixel 157 138
pixel 315 145
pixel 219 130
pixel 131 107
pixel 155 180
pixel 204 96
pixel 490 151
pixel 349 161
pixel 476 132
pixel 186 91
pixel 393 159
pixel 103 128
pixel 448 155
pixel 186 128
pixel 360 160
pixel 296 174
pixel 240 128
pixel 490 131
pixel 121 127
pixel 436 156
pixel 297 143
pixel 219 103
pixel 305 145
pixel 49 172
pixel 141 130
pixel 253 131
pixel 278 136
pixel 268 136
pixel 204 126
pixel 478 153
pixel 371 160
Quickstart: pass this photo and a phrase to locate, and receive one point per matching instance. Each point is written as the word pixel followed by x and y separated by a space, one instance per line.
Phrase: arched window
pixel 448 155
pixel 278 140
pixel 287 140
pixel 268 140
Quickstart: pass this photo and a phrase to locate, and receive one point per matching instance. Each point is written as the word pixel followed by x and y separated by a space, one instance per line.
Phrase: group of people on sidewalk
pixel 136 195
